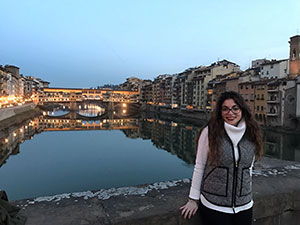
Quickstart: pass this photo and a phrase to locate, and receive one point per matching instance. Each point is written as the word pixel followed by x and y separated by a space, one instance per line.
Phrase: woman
pixel 222 179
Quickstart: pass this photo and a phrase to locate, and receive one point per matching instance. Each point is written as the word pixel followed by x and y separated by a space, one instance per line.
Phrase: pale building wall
pixel 275 70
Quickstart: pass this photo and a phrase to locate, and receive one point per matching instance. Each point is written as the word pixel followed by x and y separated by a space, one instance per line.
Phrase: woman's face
pixel 231 112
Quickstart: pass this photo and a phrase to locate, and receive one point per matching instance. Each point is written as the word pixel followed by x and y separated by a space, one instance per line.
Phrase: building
pixel 203 95
pixel 177 90
pixel 294 56
pixel 291 115
pixel 169 82
pixel 275 101
pixel 131 84
pixel 159 92
pixel 275 69
pixel 232 84
pixel 258 62
pixel 246 90
pixel 3 82
pixel 146 91
pixel 260 101
pixel 189 88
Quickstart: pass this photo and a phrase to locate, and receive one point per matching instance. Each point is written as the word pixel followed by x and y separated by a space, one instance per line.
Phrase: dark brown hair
pixel 216 126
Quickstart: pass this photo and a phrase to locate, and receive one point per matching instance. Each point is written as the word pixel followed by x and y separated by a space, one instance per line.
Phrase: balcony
pixel 272 114
pixel 273 101
pixel 273 90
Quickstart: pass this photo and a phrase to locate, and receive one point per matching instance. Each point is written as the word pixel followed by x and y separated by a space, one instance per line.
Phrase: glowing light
pixel 124 111
pixel 6 140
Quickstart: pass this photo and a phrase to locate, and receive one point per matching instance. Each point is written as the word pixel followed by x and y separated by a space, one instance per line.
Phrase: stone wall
pixel 276 192
pixel 12 111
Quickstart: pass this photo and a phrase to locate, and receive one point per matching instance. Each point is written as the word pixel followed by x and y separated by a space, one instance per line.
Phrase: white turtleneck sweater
pixel 235 133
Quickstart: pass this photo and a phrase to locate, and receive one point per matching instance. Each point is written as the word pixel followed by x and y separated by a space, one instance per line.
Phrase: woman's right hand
pixel 189 209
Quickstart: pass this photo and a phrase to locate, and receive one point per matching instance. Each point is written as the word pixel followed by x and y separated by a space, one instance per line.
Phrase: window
pixel 294 54
pixel 262 97
pixel 267 72
pixel 272 66
pixel 262 108
pixel 257 108
pixel 246 86
pixel 246 97
pixel 241 86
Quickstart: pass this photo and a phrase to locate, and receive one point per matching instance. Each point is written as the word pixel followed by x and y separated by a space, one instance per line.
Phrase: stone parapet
pixel 276 186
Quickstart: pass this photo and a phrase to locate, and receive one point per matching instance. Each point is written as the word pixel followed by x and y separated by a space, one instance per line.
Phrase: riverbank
pixel 195 116
pixel 276 190
pixel 17 115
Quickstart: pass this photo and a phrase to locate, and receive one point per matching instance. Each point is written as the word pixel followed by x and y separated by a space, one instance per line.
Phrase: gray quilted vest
pixel 228 183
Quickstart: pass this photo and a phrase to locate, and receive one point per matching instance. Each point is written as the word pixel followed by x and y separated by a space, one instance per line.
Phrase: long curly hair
pixel 216 129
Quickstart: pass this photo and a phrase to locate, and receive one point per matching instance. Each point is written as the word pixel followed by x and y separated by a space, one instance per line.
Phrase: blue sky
pixel 93 42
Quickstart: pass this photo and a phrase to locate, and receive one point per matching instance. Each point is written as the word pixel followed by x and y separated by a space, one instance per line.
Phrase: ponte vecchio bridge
pixel 109 98
pixel 71 94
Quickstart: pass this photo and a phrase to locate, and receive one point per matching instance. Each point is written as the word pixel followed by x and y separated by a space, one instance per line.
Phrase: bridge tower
pixel 294 56
pixel 73 106
pixel 73 103
pixel 111 106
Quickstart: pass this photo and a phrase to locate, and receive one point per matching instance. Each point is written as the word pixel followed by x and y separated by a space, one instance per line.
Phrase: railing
pixel 273 101
pixel 273 90
pixel 272 113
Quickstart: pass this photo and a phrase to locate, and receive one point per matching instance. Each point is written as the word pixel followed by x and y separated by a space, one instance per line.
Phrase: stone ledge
pixel 276 194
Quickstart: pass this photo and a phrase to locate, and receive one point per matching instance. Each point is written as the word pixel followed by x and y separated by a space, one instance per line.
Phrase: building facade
pixel 294 56
pixel 275 69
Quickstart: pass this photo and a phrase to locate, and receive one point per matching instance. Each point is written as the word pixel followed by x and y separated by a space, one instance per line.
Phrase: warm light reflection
pixel 9 101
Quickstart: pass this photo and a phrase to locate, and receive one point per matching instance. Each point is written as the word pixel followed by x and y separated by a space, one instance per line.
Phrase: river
pixel 60 152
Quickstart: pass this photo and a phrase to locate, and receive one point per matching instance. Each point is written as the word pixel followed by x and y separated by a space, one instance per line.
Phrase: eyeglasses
pixel 235 109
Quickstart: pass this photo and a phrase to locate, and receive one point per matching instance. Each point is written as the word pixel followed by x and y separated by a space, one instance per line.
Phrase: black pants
pixel 213 217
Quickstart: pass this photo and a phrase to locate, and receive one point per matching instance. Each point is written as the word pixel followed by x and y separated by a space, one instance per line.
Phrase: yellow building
pixel 260 102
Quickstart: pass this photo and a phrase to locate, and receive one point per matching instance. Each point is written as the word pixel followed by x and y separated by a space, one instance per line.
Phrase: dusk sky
pixel 93 42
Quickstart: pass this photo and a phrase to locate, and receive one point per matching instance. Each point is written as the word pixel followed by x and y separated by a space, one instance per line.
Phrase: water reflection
pixel 177 138
pixel 103 155
pixel 58 111
pixel 91 110
pixel 282 145
pixel 10 143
